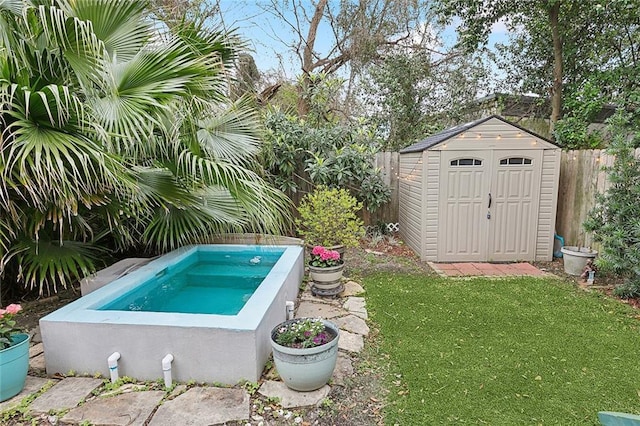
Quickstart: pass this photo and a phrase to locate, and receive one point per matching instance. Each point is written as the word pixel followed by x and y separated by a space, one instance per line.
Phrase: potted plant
pixel 14 354
pixel 325 271
pixel 305 351
pixel 328 217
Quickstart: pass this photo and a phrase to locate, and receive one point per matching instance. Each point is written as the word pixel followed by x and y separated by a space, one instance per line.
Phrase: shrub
pixel 328 217
pixel 615 219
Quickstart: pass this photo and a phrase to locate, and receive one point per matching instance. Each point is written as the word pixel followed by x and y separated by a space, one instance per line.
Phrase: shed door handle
pixel 489 201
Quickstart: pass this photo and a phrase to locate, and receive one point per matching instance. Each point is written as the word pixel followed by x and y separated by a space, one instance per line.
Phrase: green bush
pixel 328 217
pixel 615 219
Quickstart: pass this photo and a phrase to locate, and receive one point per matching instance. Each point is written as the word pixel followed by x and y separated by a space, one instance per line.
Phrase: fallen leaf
pixel 538 378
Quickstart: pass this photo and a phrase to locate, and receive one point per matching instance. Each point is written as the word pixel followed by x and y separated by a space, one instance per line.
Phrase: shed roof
pixel 444 135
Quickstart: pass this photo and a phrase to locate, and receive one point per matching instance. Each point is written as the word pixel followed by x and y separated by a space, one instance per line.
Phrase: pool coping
pixel 85 309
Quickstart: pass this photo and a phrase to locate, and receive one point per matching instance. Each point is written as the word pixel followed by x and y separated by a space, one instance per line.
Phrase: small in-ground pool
pixel 211 306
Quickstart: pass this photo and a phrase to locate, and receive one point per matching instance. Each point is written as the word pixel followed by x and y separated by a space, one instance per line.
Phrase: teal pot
pixel 14 366
pixel 306 369
pixel 326 281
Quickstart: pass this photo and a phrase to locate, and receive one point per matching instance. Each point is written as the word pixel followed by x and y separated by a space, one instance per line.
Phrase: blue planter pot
pixel 14 366
pixel 306 369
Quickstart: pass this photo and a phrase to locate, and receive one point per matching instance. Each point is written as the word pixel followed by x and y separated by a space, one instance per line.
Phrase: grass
pixel 503 352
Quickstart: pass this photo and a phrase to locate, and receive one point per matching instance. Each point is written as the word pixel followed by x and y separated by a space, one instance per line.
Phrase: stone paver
pixel 356 306
pixel 344 369
pixel 128 409
pixel 35 350
pixel 350 342
pixel 37 363
pixel 318 310
pixel 353 324
pixel 32 385
pixel 308 296
pixel 65 394
pixel 293 399
pixel 352 288
pixel 202 407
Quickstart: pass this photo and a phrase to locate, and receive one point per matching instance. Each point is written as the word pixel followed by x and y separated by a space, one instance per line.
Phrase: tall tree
pixel 478 17
pixel 558 47
pixel 354 33
pixel 407 94
pixel 115 137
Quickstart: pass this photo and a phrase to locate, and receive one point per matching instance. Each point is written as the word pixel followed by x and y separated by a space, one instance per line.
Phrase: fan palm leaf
pixel 116 136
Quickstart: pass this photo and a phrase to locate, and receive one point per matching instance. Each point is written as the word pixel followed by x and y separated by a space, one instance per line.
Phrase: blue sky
pixel 268 36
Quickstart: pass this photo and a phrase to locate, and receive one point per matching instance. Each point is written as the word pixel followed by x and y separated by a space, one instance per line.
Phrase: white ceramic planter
pixel 306 369
pixel 326 281
pixel 576 258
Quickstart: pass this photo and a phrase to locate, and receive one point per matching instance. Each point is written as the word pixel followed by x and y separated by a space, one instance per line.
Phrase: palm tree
pixel 118 134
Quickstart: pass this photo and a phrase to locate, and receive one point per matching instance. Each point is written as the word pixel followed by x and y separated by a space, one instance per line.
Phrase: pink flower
pixel 317 250
pixel 13 308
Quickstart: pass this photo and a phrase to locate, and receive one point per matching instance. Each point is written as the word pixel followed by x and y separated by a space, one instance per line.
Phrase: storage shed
pixel 482 191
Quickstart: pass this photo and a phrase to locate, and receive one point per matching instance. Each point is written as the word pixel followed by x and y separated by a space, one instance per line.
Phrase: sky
pixel 268 37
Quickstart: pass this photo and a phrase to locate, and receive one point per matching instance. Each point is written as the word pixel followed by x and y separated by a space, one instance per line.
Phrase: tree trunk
pixel 556 89
pixel 307 59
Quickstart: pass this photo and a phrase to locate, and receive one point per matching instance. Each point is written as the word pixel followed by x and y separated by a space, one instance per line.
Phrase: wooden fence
pixel 581 178
pixel 388 162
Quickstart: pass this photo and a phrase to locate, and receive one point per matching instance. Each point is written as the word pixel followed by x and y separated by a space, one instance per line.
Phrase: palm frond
pixel 231 134
pixel 45 264
pixel 119 24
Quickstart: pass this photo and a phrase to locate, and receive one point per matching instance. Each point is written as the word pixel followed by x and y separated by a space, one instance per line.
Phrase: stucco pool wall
pixel 205 347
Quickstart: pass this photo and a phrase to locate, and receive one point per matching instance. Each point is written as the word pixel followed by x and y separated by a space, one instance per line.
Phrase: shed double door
pixel 488 205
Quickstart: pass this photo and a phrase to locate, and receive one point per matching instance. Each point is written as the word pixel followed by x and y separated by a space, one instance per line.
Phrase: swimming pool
pixel 172 306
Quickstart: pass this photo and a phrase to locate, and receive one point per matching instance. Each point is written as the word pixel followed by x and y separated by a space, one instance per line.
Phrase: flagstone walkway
pixel 86 400
pixel 486 269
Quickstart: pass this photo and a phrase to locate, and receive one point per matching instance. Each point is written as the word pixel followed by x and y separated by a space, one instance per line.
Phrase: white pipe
pixel 290 307
pixel 166 369
pixel 112 361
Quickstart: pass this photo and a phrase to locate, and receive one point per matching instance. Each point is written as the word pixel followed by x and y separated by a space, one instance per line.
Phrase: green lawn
pixel 505 352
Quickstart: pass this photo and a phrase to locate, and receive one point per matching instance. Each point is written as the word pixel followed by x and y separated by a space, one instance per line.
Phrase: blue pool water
pixel 213 282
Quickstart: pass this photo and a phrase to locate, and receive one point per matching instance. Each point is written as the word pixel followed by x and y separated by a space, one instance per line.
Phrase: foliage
pixel 572 131
pixel 303 333
pixel 501 352
pixel 8 324
pixel 296 153
pixel 406 94
pixel 557 47
pixel 328 217
pixel 117 135
pixel 615 219
pixel 353 34
pixel 322 257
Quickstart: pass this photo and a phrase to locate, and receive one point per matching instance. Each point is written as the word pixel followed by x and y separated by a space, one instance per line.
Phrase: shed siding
pixel 548 204
pixel 432 191
pixel 411 199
